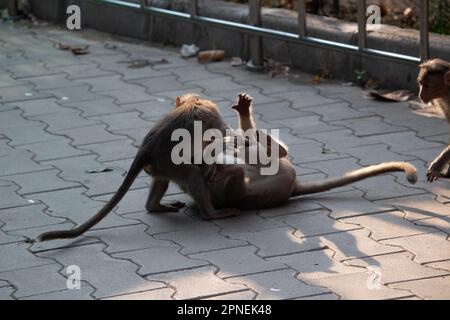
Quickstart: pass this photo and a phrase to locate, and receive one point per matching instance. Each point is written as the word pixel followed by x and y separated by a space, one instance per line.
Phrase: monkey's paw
pixel 244 104
pixel 434 171
pixel 173 207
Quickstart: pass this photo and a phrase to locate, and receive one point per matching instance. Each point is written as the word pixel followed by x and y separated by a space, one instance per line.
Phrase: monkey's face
pixel 432 85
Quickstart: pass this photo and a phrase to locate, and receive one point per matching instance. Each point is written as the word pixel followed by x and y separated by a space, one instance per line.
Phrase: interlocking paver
pixel 63 115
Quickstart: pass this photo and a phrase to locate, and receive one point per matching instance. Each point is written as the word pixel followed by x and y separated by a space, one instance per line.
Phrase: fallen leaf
pixel 99 170
pixel 394 96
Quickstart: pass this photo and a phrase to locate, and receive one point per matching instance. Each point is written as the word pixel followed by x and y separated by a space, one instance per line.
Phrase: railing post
pixel 12 8
pixel 302 18
pixel 194 8
pixel 362 24
pixel 424 31
pixel 256 55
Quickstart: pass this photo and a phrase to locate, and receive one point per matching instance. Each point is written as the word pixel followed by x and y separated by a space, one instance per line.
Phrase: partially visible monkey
pixel 434 83
pixel 243 187
pixel 154 156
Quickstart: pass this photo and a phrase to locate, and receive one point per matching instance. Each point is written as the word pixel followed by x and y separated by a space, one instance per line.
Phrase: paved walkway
pixel 66 118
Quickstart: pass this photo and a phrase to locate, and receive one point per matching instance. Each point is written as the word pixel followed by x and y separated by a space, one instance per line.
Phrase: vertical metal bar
pixel 302 18
pixel 424 30
pixel 194 8
pixel 142 3
pixel 362 24
pixel 12 8
pixel 256 56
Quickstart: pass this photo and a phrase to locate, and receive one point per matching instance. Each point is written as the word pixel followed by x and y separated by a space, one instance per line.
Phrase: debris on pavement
pixel 236 62
pixel 100 170
pixel 189 50
pixel 276 69
pixel 142 63
pixel 392 96
pixel 210 56
pixel 76 50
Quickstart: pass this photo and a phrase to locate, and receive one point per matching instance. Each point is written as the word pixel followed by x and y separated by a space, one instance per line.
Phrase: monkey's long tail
pixel 133 172
pixel 354 176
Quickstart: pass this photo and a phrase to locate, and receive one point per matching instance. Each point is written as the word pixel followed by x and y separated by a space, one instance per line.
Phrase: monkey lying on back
pixel 434 83
pixel 232 186
pixel 242 186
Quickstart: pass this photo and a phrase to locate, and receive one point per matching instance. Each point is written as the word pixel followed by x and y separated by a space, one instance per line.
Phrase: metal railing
pixel 255 29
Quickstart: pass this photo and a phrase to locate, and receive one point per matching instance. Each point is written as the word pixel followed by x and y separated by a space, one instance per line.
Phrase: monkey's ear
pixel 178 102
pixel 447 79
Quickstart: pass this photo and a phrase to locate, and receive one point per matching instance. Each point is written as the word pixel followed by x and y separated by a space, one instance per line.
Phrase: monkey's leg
pixel 197 188
pixel 157 191
pixel 436 167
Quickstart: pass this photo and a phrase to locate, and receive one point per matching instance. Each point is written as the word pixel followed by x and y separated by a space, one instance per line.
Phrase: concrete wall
pixel 135 24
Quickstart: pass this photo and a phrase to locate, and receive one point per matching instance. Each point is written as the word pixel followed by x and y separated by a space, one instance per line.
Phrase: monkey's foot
pixel 159 208
pixel 244 104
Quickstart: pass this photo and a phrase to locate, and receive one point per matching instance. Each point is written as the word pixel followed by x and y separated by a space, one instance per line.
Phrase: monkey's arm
pixel 436 167
pixel 246 122
pixel 157 191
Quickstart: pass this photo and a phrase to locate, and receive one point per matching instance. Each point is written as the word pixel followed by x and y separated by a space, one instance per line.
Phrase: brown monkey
pixel 242 186
pixel 434 83
pixel 154 156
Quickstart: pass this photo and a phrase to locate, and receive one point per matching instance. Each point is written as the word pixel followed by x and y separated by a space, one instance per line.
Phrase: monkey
pixel 242 186
pixel 154 157
pixel 434 87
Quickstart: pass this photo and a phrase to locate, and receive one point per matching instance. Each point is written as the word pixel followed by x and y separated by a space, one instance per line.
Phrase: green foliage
pixel 440 16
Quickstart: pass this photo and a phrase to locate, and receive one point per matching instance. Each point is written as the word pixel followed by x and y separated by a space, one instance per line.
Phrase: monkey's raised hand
pixel 436 167
pixel 244 104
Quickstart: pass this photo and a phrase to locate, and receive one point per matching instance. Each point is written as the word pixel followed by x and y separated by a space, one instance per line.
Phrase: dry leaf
pixel 395 96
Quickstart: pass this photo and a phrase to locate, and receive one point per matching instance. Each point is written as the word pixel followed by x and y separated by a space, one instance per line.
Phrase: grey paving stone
pixel 136 134
pixel 16 256
pixel 338 111
pixel 21 93
pixel 6 293
pixel 369 126
pixel 30 70
pixel 237 261
pixel 326 297
pixel 84 293
pixel 7 238
pixel 338 140
pixel 270 85
pixel 13 119
pixel 10 198
pixel 19 161
pixel 7 80
pixel 29 135
pixel 277 241
pixel 374 154
pixel 277 285
pixel 118 277
pixel 441 223
pixel 151 109
pixel 104 183
pixel 247 221
pixel 312 152
pixel 109 82
pixel 389 225
pixel 355 287
pixel 123 121
pixel 303 99
pixel 259 99
pixel 55 149
pixel 100 106
pixel 348 204
pixel 403 142
pixel 127 238
pixel 397 267
pixel 54 81
pixel 72 94
pixel 112 150
pixel 386 187
pixel 279 111
pixel 159 84
pixel 90 135
pixel 419 206
pixel 426 248
pixel 204 237
pixel 73 204
pixel 313 223
pixel 160 259
pixel 37 107
pixel 207 284
pixel 26 217
pixel 292 206
pixel 316 264
pixel 157 294
pixel 81 71
pixel 308 124
pixel 356 244
pixel 238 296
pixel 35 280
pixel 126 96
pixel 68 119
pixel 430 289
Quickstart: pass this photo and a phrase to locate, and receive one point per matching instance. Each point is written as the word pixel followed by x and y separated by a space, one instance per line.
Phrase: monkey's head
pixel 434 80
pixel 191 99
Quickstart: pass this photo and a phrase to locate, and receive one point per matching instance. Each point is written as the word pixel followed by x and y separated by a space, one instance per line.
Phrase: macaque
pixel 434 83
pixel 243 187
pixel 154 157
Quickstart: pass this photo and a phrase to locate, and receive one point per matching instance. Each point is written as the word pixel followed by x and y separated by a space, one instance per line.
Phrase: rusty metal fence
pixel 255 29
